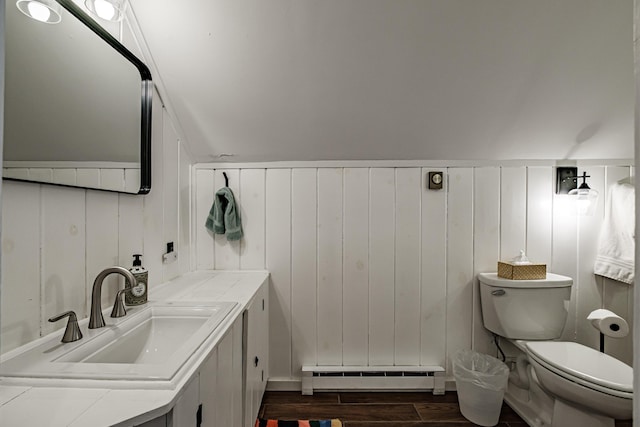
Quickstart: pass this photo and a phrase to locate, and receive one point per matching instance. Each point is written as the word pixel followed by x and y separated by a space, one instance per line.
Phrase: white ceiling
pixel 396 79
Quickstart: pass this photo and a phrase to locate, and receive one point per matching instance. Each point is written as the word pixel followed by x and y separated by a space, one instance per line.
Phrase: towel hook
pixel 226 179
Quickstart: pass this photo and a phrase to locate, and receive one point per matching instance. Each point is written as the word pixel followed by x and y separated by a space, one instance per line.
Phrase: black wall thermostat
pixel 435 180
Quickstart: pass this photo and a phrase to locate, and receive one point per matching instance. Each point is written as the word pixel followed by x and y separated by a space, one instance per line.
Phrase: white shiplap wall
pixel 56 240
pixel 368 267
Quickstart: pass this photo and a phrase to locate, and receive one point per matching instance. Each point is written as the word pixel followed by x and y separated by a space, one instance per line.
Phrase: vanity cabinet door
pixel 185 412
pixel 256 323
pixel 208 389
pixel 221 382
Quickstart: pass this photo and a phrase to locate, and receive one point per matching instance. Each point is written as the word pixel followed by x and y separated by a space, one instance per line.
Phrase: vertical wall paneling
pixel 407 266
pixel 381 266
pixel 204 240
pixel 102 226
pixel 462 230
pixel 329 293
pixel 303 267
pixel 252 211
pixel 355 287
pixel 63 254
pixel 130 228
pixel 433 281
pixel 227 253
pixel 184 214
pixel 513 212
pixel 154 203
pixel 618 296
pixel 21 228
pixel 170 190
pixel 589 293
pixel 459 261
pixel 371 227
pixel 540 189
pixel 564 258
pixel 486 245
pixel 278 262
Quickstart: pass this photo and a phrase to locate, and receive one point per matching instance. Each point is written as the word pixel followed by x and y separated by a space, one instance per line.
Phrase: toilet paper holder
pixel 608 324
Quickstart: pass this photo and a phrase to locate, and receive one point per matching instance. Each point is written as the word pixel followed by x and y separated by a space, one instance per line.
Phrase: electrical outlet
pixel 170 256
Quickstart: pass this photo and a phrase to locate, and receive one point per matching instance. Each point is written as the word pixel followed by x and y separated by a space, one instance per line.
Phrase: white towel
pixel 615 257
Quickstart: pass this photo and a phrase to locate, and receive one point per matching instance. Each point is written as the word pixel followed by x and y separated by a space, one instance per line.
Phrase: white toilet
pixel 565 383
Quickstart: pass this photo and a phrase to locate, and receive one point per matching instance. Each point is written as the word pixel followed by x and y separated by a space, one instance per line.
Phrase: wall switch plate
pixel 170 257
pixel 435 180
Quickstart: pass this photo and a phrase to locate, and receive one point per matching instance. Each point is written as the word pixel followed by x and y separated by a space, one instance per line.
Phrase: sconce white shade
pixel 586 199
pixel 47 11
pixel 109 10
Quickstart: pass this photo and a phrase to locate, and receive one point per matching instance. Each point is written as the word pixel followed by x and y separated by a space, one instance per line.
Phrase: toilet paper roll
pixel 609 323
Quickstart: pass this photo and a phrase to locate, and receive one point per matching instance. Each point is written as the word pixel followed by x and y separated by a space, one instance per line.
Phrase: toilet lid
pixel 584 363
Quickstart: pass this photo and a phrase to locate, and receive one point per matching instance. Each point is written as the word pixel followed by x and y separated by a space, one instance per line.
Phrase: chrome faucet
pixel 95 319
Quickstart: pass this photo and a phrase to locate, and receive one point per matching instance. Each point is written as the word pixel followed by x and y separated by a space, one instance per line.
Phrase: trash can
pixel 481 381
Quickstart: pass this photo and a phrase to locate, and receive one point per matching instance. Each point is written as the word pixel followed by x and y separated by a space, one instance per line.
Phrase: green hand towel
pixel 224 216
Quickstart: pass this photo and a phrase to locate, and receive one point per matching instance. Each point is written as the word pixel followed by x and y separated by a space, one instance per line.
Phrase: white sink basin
pixel 149 344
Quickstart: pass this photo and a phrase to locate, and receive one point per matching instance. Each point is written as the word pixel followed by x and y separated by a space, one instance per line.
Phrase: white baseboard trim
pixel 295 384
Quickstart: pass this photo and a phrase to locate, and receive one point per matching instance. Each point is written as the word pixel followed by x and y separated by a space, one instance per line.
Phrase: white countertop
pixel 57 403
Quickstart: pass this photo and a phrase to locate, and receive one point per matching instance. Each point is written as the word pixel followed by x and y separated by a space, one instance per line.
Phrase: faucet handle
pixel 118 306
pixel 72 332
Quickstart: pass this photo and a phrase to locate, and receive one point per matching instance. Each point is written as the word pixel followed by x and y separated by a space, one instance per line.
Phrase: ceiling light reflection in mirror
pixel 47 11
pixel 109 10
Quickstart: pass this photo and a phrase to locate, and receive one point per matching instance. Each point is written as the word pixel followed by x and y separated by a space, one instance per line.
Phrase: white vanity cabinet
pixel 256 325
pixel 228 387
pixel 213 397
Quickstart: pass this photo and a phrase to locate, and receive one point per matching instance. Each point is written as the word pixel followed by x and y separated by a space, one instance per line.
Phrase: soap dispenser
pixel 138 294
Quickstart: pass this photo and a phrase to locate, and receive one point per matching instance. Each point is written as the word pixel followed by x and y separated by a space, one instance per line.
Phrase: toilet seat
pixel 585 366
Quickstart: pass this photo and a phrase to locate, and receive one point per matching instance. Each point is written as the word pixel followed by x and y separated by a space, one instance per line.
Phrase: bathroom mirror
pixel 77 105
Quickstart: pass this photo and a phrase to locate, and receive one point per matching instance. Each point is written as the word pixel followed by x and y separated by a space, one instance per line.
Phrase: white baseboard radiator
pixel 372 378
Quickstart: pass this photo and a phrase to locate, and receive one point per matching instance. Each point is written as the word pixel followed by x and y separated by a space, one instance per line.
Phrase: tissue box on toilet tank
pixel 508 270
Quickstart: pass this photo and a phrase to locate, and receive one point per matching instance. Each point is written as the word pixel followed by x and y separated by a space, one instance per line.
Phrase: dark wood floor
pixel 358 409
pixel 361 409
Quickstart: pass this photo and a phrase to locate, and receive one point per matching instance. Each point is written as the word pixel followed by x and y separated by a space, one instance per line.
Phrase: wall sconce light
pixel 47 11
pixel 567 183
pixel 109 10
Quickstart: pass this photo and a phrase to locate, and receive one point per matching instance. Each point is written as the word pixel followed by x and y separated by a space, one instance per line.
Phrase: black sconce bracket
pixel 566 179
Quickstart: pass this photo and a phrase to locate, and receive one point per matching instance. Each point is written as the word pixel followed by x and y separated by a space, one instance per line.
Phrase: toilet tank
pixel 525 309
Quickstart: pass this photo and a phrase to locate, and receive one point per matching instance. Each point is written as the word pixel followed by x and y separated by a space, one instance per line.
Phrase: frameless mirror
pixel 77 105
